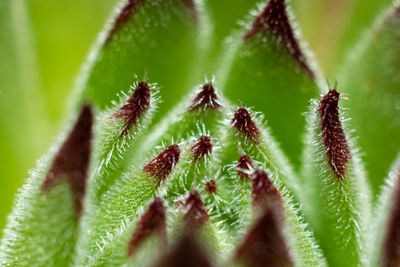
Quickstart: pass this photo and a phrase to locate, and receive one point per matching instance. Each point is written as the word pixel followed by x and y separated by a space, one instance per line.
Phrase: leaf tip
pixel 211 186
pixel 244 167
pixel 162 165
pixel 202 147
pixel 336 146
pixel 195 214
pixel 243 122
pixel 206 99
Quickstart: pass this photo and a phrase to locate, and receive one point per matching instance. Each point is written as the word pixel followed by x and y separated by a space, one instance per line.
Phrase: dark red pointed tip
pixel 162 165
pixel 123 17
pixel 264 243
pixel 336 146
pixel 153 221
pixel 244 167
pixel 390 255
pixel 211 186
pixel 72 159
pixel 263 192
pixel 206 99
pixel 187 252
pixel 195 214
pixel 275 20
pixel 202 147
pixel 134 107
pixel 243 122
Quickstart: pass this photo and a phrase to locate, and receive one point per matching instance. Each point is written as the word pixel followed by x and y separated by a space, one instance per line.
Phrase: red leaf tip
pixel 123 17
pixel 186 252
pixel 134 107
pixel 264 243
pixel 263 192
pixel 195 214
pixel 390 256
pixel 244 167
pixel 211 186
pixel 243 122
pixel 336 146
pixel 162 165
pixel 274 18
pixel 72 159
pixel 206 99
pixel 152 221
pixel 202 147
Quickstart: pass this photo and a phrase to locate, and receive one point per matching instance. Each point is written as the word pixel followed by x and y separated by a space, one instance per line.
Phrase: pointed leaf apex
pixel 152 221
pixel 244 167
pixel 264 243
pixel 186 252
pixel 202 147
pixel 243 122
pixel 211 186
pixel 191 5
pixel 391 246
pixel 134 107
pixel 336 146
pixel 275 20
pixel 195 214
pixel 263 192
pixel 206 99
pixel 123 17
pixel 72 159
pixel 162 165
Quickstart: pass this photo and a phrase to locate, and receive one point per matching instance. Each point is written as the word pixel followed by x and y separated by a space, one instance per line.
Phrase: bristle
pixel 274 19
pixel 206 99
pixel 390 256
pixel 337 149
pixel 72 159
pixel 134 107
pixel 186 253
pixel 263 192
pixel 244 167
pixel 151 222
pixel 123 17
pixel 202 147
pixel 242 121
pixel 264 244
pixel 195 214
pixel 162 165
pixel 211 187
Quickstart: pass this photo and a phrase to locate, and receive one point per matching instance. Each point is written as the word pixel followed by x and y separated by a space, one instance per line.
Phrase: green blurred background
pixel 43 44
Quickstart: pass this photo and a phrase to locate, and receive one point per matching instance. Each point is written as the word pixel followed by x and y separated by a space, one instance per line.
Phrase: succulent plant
pixel 140 177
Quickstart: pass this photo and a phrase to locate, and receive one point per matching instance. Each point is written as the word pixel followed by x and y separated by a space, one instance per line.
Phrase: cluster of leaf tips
pixel 203 182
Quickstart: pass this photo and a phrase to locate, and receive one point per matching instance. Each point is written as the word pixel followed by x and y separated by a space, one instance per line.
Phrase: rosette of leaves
pixel 141 177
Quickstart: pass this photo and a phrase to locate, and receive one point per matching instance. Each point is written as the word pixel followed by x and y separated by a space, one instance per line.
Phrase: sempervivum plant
pixel 143 178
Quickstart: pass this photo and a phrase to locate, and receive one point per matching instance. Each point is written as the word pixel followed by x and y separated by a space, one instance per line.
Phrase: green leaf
pixel 381 248
pixel 371 82
pixel 268 69
pixel 49 204
pixel 338 201
pixel 155 38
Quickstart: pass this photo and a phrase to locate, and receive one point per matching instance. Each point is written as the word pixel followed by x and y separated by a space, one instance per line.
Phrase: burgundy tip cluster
pixel 72 159
pixel 242 121
pixel 390 255
pixel 337 149
pixel 195 214
pixel 274 18
pixel 152 221
pixel 136 105
pixel 123 17
pixel 186 252
pixel 244 166
pixel 264 243
pixel 162 165
pixel 263 192
pixel 202 147
pixel 211 186
pixel 206 99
